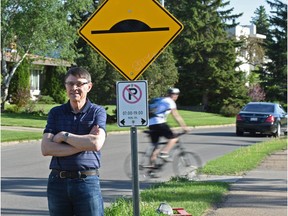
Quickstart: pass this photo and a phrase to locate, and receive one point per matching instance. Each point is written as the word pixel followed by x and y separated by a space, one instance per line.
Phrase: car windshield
pixel 259 108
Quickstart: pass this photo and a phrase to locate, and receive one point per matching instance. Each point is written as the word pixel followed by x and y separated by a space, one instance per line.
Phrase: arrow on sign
pixel 122 122
pixel 143 121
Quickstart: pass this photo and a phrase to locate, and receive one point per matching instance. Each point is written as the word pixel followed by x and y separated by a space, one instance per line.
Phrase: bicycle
pixel 184 163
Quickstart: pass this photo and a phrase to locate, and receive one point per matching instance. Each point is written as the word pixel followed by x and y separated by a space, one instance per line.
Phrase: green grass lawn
pixel 9 135
pixel 243 159
pixel 191 118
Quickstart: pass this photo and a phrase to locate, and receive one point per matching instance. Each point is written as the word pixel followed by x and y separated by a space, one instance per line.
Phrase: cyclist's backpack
pixel 156 106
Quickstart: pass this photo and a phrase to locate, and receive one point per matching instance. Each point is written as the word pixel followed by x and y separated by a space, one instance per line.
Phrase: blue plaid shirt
pixel 62 118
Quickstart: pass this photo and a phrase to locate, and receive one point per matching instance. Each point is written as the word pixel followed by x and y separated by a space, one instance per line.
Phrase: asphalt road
pixel 24 170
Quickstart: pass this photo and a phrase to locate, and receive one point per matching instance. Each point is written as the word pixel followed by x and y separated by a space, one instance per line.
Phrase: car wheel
pixel 239 132
pixel 278 132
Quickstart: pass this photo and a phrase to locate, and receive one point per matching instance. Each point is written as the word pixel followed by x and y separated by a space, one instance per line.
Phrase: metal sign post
pixel 134 165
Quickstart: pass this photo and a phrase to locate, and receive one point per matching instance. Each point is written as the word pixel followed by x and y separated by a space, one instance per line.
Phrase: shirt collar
pixel 84 110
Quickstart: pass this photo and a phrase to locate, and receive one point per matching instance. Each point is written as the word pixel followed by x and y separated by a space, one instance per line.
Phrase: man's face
pixel 77 88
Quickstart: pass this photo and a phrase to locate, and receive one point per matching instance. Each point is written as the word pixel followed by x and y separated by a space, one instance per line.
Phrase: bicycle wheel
pixel 186 164
pixel 143 164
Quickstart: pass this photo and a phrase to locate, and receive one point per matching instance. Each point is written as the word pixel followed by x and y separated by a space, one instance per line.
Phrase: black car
pixel 263 117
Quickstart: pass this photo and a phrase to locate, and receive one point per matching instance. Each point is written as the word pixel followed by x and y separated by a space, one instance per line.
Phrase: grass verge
pixel 198 197
pixel 243 159
pixel 9 136
pixel 194 197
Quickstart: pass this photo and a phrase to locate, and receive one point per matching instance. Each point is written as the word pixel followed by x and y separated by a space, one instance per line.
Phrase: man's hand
pixel 95 130
pixel 59 137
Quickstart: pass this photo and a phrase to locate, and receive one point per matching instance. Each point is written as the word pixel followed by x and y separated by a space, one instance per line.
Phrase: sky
pixel 248 7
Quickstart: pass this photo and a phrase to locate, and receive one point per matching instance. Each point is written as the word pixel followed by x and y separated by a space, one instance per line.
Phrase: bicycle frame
pixel 182 161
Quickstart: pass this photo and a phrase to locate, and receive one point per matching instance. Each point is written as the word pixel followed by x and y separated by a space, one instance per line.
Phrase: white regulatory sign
pixel 132 105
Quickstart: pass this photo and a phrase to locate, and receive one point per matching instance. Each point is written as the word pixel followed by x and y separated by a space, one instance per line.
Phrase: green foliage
pixel 20 88
pixel 42 26
pixel 46 99
pixel 261 20
pixel 229 110
pixel 54 86
pixel 21 98
pixel 274 74
pixel 206 56
pixel 38 27
pixel 20 85
pixel 162 74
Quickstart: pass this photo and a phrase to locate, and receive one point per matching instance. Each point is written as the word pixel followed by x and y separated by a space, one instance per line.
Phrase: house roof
pixel 37 60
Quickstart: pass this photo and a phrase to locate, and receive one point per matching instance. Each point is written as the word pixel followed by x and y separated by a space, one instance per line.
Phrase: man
pixel 74 135
pixel 158 123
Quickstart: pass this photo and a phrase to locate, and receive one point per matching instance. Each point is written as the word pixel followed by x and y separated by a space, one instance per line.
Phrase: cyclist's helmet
pixel 173 91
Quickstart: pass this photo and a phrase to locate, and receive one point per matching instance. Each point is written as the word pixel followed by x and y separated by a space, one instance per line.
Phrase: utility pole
pixel 162 2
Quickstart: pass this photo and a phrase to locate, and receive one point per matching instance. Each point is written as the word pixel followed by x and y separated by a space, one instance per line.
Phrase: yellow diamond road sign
pixel 130 34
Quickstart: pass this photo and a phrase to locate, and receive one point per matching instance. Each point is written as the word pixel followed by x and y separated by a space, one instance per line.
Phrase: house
pixel 247 54
pixel 40 66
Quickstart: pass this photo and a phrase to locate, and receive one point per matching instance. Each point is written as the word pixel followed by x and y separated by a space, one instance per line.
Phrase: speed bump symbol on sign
pixel 130 34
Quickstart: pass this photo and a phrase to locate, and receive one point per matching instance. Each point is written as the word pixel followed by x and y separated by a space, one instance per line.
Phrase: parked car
pixel 263 117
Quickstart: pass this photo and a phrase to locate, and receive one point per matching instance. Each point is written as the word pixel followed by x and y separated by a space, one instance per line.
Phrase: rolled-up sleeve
pixel 51 124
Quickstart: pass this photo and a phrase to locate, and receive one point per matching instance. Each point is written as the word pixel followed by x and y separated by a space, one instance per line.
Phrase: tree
pixel 56 79
pixel 274 74
pixel 206 56
pixel 19 93
pixel 35 27
pixel 256 93
pixel 252 50
pixel 161 74
pixel 261 20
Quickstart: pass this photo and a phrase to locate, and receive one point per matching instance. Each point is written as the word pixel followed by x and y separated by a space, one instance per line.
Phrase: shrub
pixel 256 93
pixel 55 87
pixel 21 98
pixel 229 110
pixel 46 99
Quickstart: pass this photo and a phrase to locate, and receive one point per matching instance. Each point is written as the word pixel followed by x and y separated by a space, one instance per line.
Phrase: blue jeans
pixel 74 197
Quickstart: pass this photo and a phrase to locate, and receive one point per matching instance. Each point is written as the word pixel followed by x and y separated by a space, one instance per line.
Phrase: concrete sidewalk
pixel 261 192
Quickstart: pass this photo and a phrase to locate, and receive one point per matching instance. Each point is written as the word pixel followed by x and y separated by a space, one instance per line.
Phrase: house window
pixel 35 80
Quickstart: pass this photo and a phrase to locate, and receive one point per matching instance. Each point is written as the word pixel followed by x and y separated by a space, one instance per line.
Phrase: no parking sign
pixel 132 106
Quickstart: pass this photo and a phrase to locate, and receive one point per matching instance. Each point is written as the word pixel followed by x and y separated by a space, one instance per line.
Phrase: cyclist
pixel 158 124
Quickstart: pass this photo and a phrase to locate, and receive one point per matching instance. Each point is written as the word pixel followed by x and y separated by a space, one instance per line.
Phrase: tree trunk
pixel 205 100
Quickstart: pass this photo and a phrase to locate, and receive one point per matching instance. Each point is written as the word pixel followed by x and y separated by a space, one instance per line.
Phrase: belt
pixel 75 174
